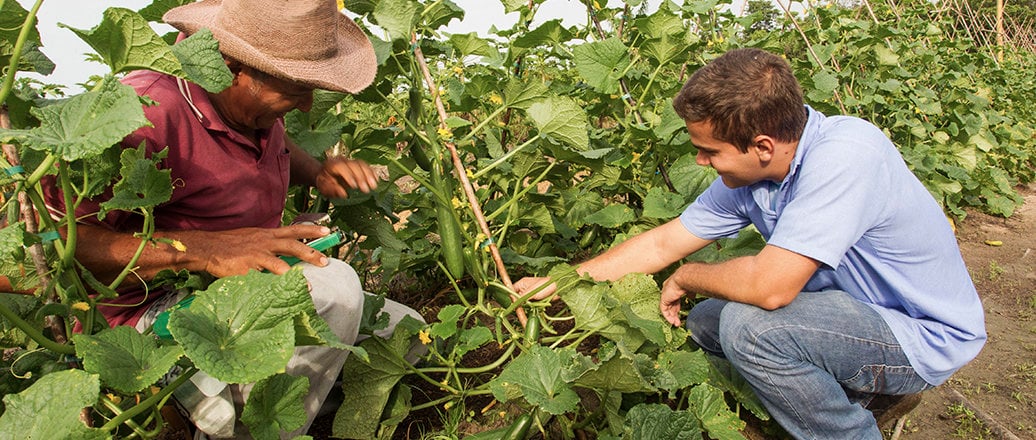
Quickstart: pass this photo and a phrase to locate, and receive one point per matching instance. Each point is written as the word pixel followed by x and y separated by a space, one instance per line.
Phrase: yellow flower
pixel 81 306
pixel 423 336
pixel 178 245
pixel 341 4
pixel 457 204
pixel 458 70
pixel 495 99
pixel 636 157
pixel 114 398
pixel 597 5
pixel 445 132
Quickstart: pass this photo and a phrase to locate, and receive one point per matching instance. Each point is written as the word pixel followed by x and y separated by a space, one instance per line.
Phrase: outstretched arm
pixel 648 252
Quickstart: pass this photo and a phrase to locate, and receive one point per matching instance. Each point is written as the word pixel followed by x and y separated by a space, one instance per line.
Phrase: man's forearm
pixel 648 252
pixel 106 253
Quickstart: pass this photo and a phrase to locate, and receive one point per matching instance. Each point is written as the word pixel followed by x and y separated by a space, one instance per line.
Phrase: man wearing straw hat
pixel 232 163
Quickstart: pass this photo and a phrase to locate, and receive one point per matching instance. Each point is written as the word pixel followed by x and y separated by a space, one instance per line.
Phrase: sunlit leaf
pixel 240 329
pixel 142 184
pixel 125 41
pixel 471 44
pixel 536 373
pixel 86 124
pixel 397 17
pixel 710 408
pixel 562 119
pixel 602 63
pixel 202 62
pixel 125 359
pixel 275 405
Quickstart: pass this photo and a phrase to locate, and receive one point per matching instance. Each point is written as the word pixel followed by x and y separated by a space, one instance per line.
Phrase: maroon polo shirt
pixel 221 179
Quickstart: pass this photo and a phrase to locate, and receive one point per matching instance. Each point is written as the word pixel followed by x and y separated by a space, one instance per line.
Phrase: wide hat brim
pixel 349 65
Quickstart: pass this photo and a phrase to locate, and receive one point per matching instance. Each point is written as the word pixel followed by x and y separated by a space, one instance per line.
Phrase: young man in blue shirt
pixel 860 291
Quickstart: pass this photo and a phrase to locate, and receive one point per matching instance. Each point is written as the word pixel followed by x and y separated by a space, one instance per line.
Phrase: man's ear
pixel 764 147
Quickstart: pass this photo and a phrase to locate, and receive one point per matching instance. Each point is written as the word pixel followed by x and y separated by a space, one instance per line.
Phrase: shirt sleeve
pixel 840 193
pixel 716 213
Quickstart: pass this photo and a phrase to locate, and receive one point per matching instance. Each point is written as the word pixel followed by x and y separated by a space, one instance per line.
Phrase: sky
pixel 67 50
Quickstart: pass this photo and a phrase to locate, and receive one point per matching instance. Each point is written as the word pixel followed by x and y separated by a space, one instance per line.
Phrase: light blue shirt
pixel 850 202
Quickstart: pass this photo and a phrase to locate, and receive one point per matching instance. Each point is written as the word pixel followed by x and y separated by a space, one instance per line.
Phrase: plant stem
pixel 35 334
pixel 504 158
pixel 150 402
pixel 16 54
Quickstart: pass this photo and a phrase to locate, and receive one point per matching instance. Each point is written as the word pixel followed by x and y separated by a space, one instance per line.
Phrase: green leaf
pixel 202 62
pixel 660 203
pixel 314 132
pixel 275 406
pixel 612 216
pixel 536 374
pixel 240 329
pixel 723 376
pixel 548 34
pixel 471 44
pixel 657 421
pixel 51 407
pixel 397 17
pixel 689 178
pixel 562 119
pixel 442 13
pixel 886 57
pixel 84 125
pixel 15 260
pixel 602 63
pixel 447 325
pixel 664 49
pixel 522 95
pixel 617 374
pixel 311 329
pixel 825 82
pixel 586 301
pixel 369 385
pixel 514 5
pixel 126 42
pixel 12 17
pixel 142 185
pixel 125 359
pixel 676 370
pixel 708 405
pixel 158 8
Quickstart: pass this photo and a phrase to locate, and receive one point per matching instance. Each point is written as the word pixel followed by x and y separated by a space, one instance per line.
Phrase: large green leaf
pixel 663 204
pixel 397 17
pixel 537 375
pixel 602 63
pixel 471 44
pixel 125 41
pixel 548 34
pixel 241 328
pixel 612 216
pixel 125 359
pixel 275 405
pixel 724 376
pixel 617 374
pixel 676 370
pixel 586 301
pixel 689 178
pixel 369 385
pixel 520 94
pixel 84 125
pixel 710 408
pixel 657 421
pixel 158 8
pixel 562 119
pixel 202 62
pixel 142 185
pixel 51 407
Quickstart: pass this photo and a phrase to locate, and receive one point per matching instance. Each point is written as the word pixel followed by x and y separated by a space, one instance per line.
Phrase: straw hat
pixel 307 41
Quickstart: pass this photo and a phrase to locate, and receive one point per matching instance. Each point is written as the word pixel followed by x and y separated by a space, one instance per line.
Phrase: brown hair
pixel 745 93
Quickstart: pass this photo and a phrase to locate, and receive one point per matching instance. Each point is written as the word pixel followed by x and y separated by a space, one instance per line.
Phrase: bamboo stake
pixel 462 175
pixel 28 215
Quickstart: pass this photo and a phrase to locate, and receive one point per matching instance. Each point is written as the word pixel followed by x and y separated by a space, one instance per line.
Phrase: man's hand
pixel 339 174
pixel 672 296
pixel 529 284
pixel 237 251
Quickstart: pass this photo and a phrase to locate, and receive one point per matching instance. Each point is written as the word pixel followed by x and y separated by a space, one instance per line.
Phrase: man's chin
pixel 731 183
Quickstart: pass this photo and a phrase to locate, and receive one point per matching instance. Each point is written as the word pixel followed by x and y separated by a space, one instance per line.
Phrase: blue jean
pixel 815 363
